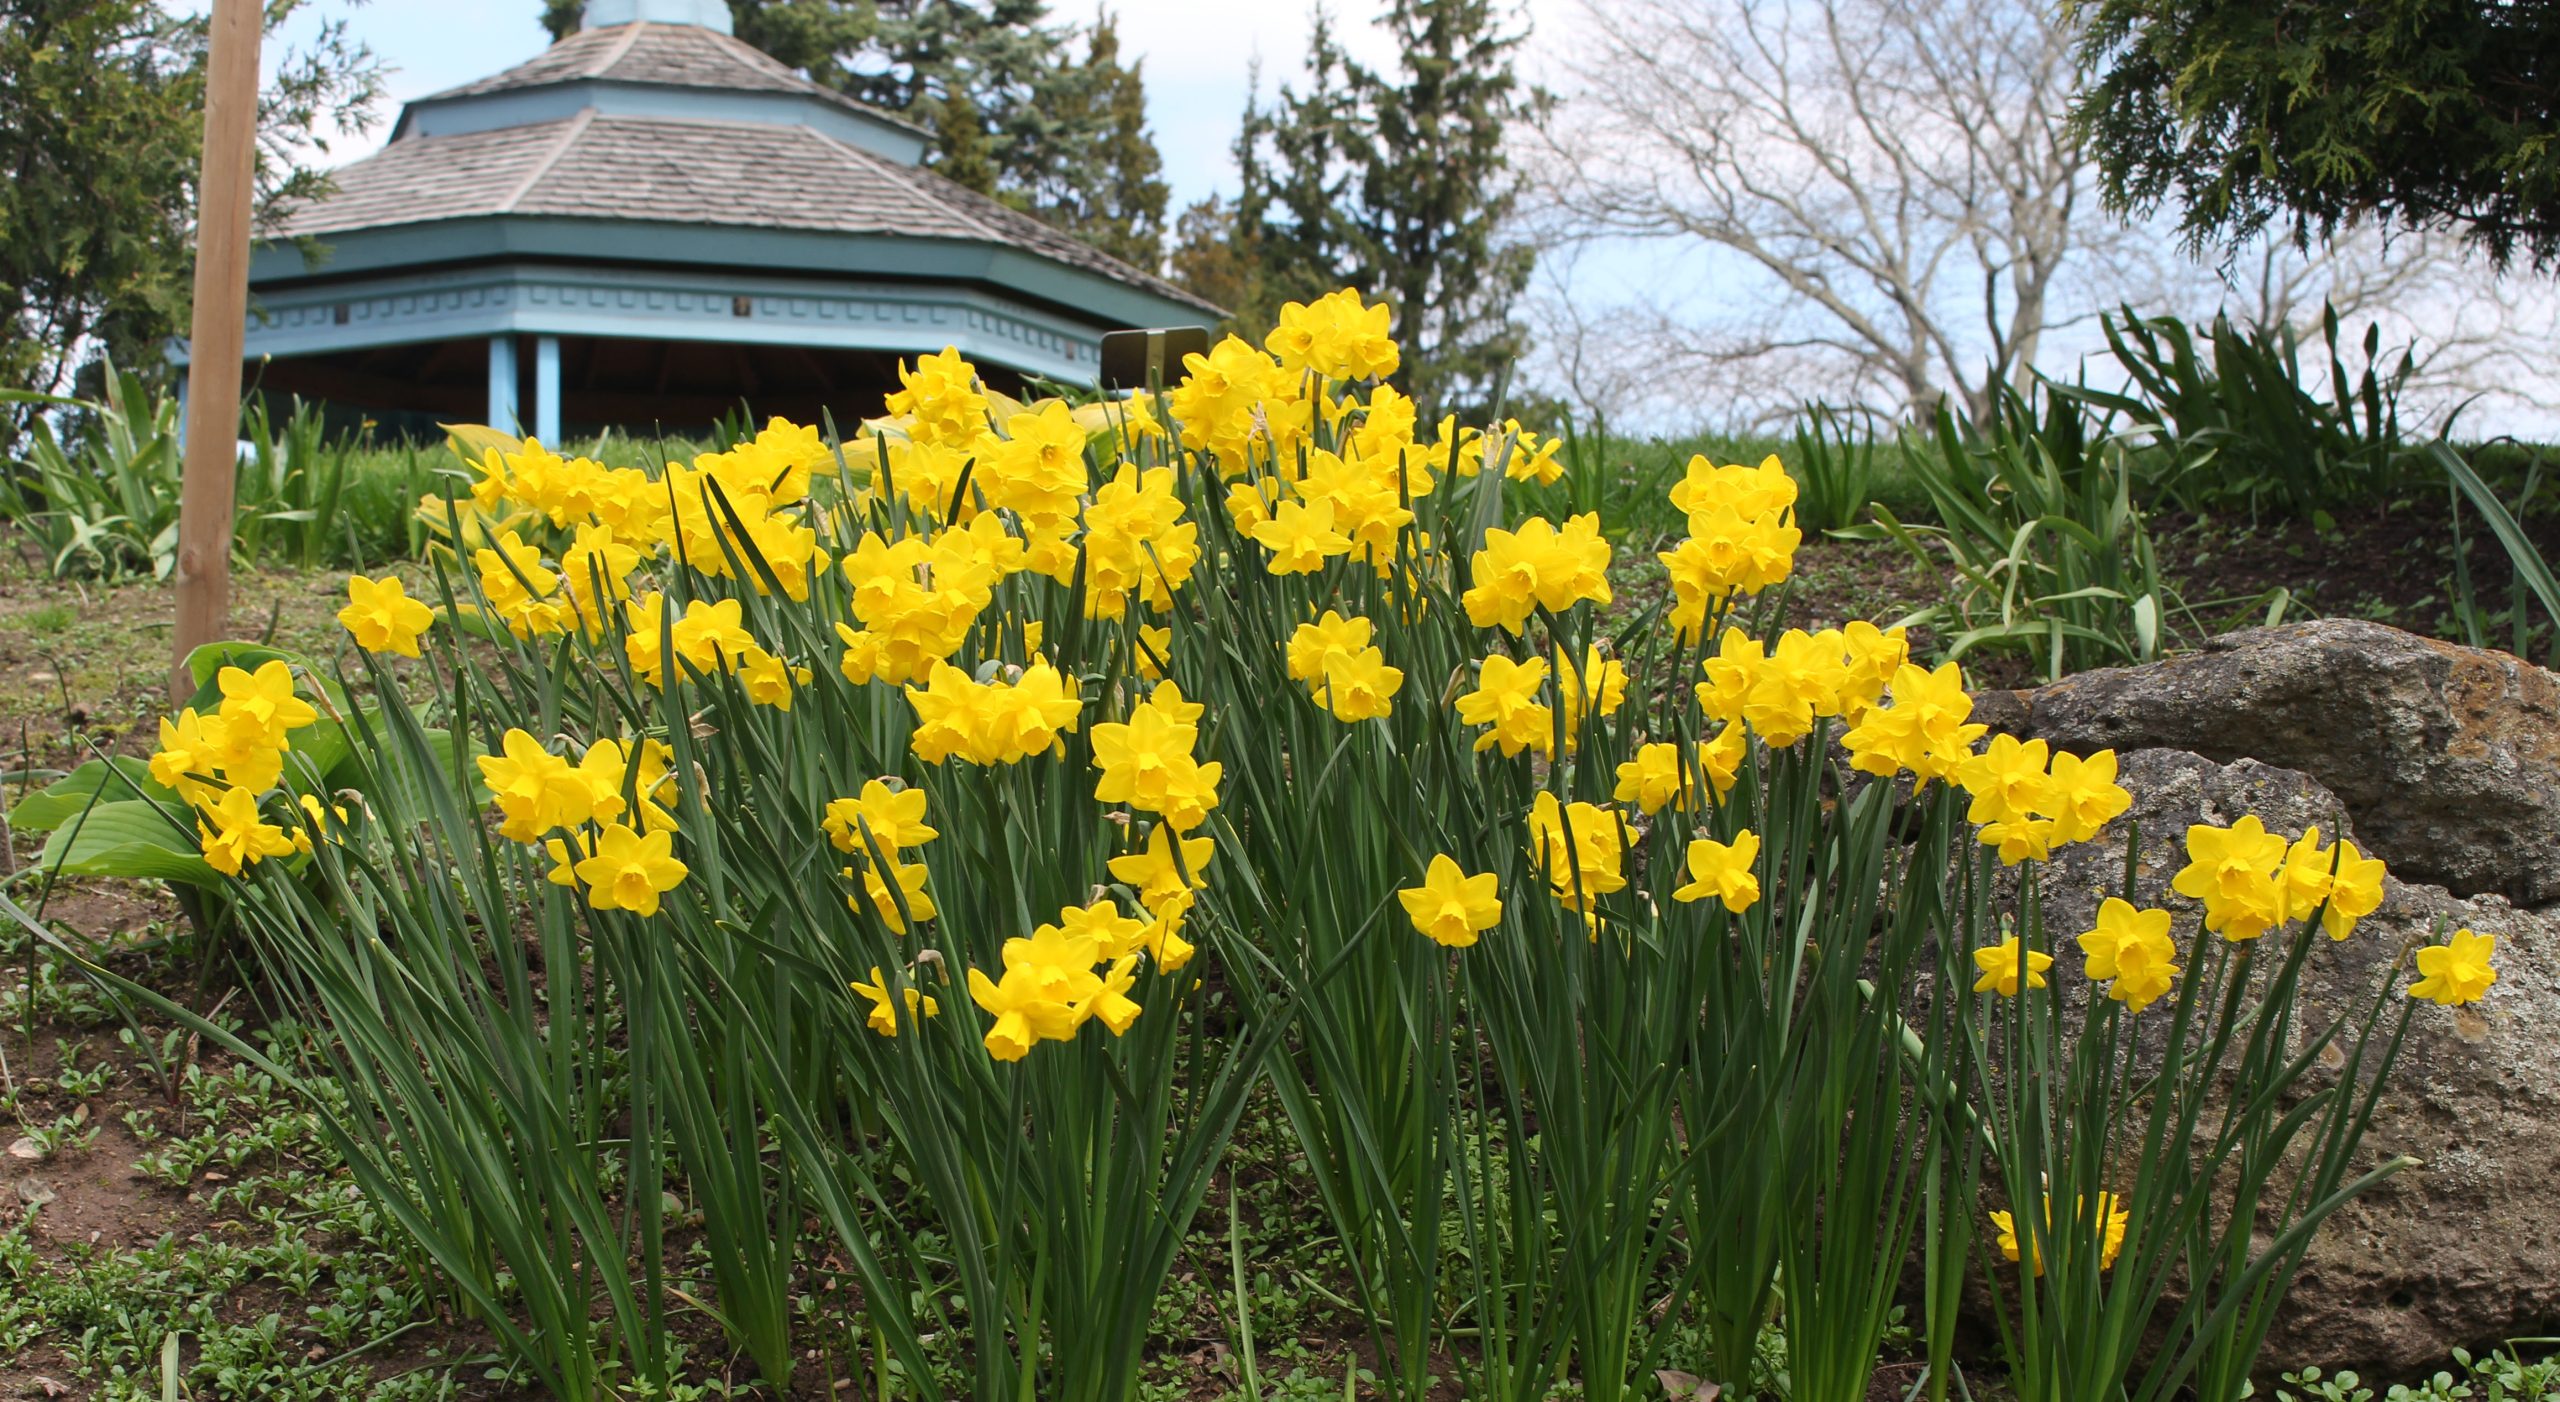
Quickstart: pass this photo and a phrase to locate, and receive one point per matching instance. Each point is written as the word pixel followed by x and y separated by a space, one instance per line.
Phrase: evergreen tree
pixel 101 130
pixel 1396 183
pixel 1043 117
pixel 2307 114
pixel 1106 184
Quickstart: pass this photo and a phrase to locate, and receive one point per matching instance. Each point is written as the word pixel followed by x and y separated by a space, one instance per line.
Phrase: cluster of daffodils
pixel 1343 672
pixel 604 821
pixel 2249 882
pixel 223 763
pixel 946 518
pixel 2028 800
pixel 1742 539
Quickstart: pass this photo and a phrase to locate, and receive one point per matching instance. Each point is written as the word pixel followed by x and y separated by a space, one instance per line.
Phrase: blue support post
pixel 182 409
pixel 546 390
pixel 502 383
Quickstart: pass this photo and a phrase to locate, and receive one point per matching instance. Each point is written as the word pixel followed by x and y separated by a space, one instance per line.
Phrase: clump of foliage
pixel 97 488
pixel 2232 424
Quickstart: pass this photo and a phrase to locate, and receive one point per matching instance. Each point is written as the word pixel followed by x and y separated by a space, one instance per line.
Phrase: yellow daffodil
pixel 2457 971
pixel 381 616
pixel 630 870
pixel 2008 966
pixel 1723 871
pixel 1451 907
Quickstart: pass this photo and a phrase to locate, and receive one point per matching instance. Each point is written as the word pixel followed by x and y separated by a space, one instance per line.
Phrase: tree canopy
pixel 2305 114
pixel 1043 116
pixel 101 125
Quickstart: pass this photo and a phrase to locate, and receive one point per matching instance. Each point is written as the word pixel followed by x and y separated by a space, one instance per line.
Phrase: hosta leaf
pixel 129 839
pixel 100 781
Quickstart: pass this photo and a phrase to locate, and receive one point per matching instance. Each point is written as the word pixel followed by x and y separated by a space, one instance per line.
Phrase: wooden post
pixel 223 195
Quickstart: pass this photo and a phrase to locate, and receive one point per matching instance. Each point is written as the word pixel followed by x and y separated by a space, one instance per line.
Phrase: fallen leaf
pixel 26 1148
pixel 49 1387
pixel 1684 1387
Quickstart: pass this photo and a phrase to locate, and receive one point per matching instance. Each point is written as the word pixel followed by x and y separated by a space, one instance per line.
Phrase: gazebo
pixel 649 223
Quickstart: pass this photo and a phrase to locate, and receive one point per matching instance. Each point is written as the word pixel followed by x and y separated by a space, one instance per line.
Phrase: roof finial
pixel 604 14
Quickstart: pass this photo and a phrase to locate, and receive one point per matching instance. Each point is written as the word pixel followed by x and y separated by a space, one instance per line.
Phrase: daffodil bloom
pixel 233 836
pixel 1925 729
pixel 2007 780
pixel 1024 1004
pixel 260 707
pixel 1723 871
pixel 1534 567
pixel 2146 969
pixel 1162 937
pixel 939 398
pixel 2355 890
pixel 1312 643
pixel 1152 871
pixel 883 1018
pixel 1654 778
pixel 768 680
pixel 1146 763
pixel 2020 839
pixel 2457 971
pixel 2114 1218
pixel 1597 688
pixel 2082 795
pixel 1578 846
pixel 630 870
pixel 2340 883
pixel 1109 1002
pixel 1505 700
pixel 1153 649
pixel 2008 965
pixel 896 907
pixel 2232 870
pixel 2132 949
pixel 893 818
pixel 381 616
pixel 1335 337
pixel 191 748
pixel 1357 686
pixel 535 790
pixel 1113 934
pixel 1450 907
pixel 1301 537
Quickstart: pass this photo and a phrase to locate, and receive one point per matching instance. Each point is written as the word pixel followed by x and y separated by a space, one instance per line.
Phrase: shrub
pixel 99 492
pixel 2038 525
pixel 2238 425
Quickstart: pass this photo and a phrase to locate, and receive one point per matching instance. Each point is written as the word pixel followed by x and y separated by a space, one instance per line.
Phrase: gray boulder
pixel 2447 758
pixel 2464 1251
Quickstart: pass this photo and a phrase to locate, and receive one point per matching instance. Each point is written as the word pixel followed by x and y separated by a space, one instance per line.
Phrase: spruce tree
pixel 1394 182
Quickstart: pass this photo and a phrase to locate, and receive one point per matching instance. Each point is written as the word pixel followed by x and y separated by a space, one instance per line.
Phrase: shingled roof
pixel 669 55
pixel 684 171
pixel 695 164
